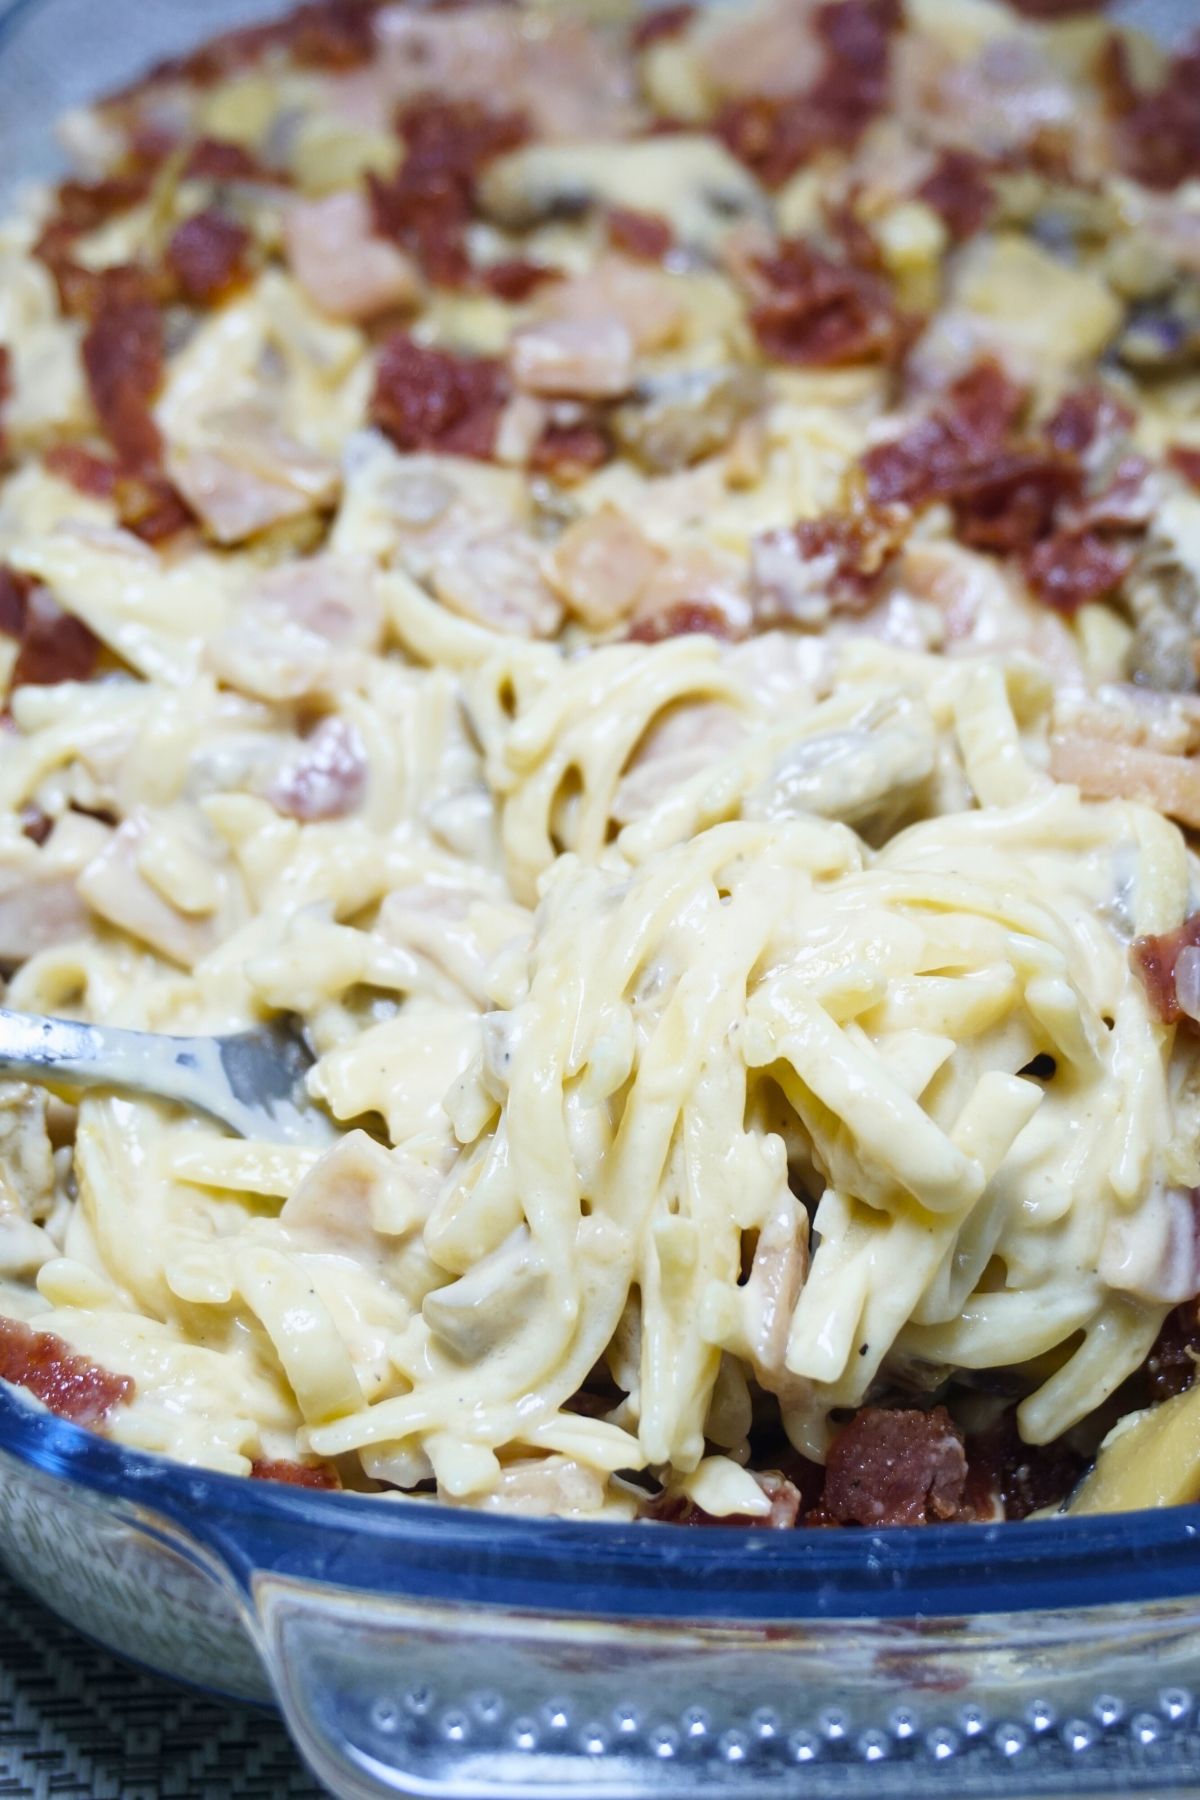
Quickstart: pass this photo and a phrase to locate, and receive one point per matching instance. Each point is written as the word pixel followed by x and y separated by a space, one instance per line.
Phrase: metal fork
pixel 252 1081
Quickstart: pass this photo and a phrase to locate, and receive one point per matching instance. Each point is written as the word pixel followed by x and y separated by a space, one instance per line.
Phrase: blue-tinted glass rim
pixel 637 1572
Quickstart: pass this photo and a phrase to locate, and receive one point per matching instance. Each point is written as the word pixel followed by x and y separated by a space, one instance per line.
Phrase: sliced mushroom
pixel 673 420
pixel 688 178
pixel 470 1316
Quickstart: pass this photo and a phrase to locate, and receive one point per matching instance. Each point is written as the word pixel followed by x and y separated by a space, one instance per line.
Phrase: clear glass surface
pixel 418 1650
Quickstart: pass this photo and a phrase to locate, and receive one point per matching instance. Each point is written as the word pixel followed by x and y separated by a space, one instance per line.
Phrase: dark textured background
pixel 78 1724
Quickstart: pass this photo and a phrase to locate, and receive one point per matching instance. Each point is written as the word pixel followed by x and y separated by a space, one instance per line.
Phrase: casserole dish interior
pixel 417 1650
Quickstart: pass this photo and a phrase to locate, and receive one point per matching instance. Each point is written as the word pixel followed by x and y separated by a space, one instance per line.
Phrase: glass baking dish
pixel 419 1650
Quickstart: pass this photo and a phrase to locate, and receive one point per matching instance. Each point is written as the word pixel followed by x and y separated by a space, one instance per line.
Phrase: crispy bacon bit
pixel 821 313
pixel 1071 568
pixel 150 506
pixel 428 399
pixel 54 646
pixel 1008 502
pixel 72 1386
pixel 836 560
pixel 926 462
pixel 123 361
pixel 1023 1477
pixel 207 255
pixel 775 136
pixel 35 824
pixel 327 779
pixel 83 469
pixel 681 619
pixel 219 159
pixel 1088 418
pixel 1185 459
pixel 296 1474
pixel 1158 132
pixel 902 1467
pixel 1170 1368
pixel 959 192
pixel 324 34
pixel 569 452
pixel 515 278
pixel 663 22
pixel 426 206
pixel 642 234
pixel 1154 960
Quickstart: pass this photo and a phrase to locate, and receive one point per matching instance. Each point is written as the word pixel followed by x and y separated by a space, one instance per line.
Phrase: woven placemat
pixel 79 1724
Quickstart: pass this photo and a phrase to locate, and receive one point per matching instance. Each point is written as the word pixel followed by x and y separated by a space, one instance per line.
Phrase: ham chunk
pixel 343 267
pixel 1104 770
pixel 901 1467
pixel 602 565
pixel 584 359
pixel 327 777
pixel 244 473
pixel 643 299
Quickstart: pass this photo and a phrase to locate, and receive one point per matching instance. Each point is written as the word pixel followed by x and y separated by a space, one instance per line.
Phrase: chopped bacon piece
pixel 642 234
pixel 925 463
pixel 902 1467
pixel 1158 132
pixel 662 22
pixel 569 452
pixel 426 206
pixel 515 278
pixel 681 619
pixel 1154 959
pixel 35 824
pixel 1071 568
pixel 207 255
pixel 1023 1477
pixel 331 34
pixel 775 136
pixel 839 557
pixel 72 1386
pixel 1008 502
pixel 959 192
pixel 150 506
pixel 821 313
pixel 324 34
pixel 6 388
pixel 1170 1368
pixel 428 399
pixel 219 159
pixel 123 361
pixel 81 206
pixel 86 472
pixel 54 646
pixel 1087 418
pixel 327 778
pixel 296 1474
pixel 1185 458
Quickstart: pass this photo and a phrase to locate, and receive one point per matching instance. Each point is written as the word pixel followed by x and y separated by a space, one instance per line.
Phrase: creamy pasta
pixel 638 581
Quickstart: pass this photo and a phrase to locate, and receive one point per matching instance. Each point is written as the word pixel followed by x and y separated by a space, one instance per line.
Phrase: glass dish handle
pixel 390 1696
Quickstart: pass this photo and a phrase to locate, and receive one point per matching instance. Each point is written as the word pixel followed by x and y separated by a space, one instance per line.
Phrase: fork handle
pixel 66 1052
